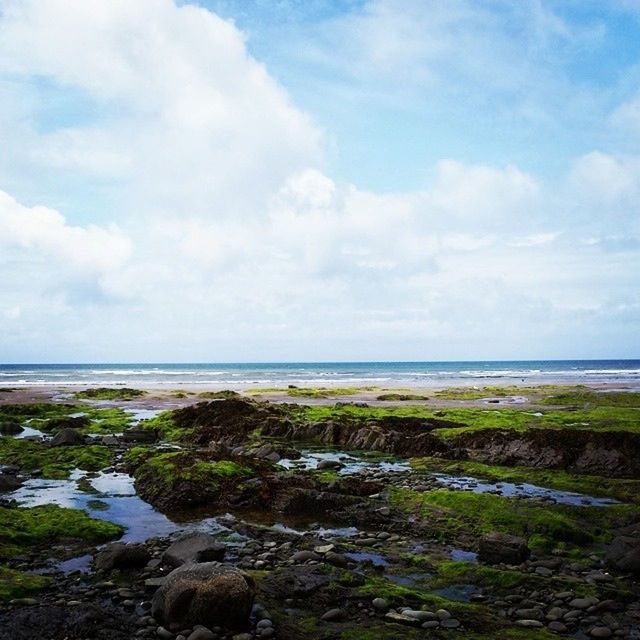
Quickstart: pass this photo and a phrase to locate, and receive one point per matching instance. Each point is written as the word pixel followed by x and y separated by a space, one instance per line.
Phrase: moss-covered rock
pixel 22 527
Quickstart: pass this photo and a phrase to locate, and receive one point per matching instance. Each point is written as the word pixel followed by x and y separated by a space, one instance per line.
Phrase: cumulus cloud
pixel 176 106
pixel 39 233
pixel 234 242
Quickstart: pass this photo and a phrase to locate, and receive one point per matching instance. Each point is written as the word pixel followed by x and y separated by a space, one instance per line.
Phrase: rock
pixel 208 594
pixel 10 428
pixel 66 438
pixel 557 626
pixel 336 559
pixel 201 633
pixel 267 452
pixel 164 634
pixel 121 556
pixel 333 615
pixel 496 548
pixel 9 481
pixel 134 434
pixel 380 604
pixel 600 632
pixel 194 547
pixel 401 618
pixel 583 603
pixel 305 556
pixel 443 614
pixel 624 554
pixel 450 623
pixel 530 624
pixel 329 464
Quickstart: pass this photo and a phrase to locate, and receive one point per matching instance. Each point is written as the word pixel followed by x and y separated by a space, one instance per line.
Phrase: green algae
pixel 625 490
pixel 17 584
pixel 400 397
pixel 53 462
pixel 456 513
pixel 179 466
pixel 23 527
pixel 107 393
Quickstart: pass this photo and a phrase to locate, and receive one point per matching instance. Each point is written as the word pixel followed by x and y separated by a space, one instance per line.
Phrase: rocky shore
pixel 240 518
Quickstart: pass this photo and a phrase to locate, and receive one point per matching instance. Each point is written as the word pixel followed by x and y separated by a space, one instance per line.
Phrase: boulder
pixel 122 556
pixel 496 548
pixel 623 554
pixel 10 428
pixel 66 437
pixel 208 594
pixel 194 547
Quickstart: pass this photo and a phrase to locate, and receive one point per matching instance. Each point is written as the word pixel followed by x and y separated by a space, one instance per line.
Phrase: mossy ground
pixel 54 462
pixel 169 468
pixel 107 393
pixel 22 528
pixel 457 513
pixel 601 418
pixel 50 417
pixel 17 584
pixel 625 490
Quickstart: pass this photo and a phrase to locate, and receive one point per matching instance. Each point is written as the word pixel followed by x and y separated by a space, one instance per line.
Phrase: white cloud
pixel 184 117
pixel 233 242
pixel 39 233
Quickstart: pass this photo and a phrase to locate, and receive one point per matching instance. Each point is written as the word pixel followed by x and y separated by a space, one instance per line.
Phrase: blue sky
pixel 287 180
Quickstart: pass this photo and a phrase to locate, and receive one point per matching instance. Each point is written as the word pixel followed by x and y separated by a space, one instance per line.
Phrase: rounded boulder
pixel 208 594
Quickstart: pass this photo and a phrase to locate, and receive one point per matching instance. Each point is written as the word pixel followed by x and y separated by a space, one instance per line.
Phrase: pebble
pixel 530 624
pixel 557 626
pixel 333 615
pixel 600 632
pixel 165 634
pixel 450 623
pixel 443 614
pixel 201 633
pixel 380 604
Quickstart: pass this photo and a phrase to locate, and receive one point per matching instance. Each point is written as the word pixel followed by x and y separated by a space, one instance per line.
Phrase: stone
pixel 443 614
pixel 201 633
pixel 194 547
pixel 450 623
pixel 208 594
pixel 305 556
pixel 600 632
pixel 10 428
pixel 624 554
pixel 380 604
pixel 557 626
pixel 336 559
pixel 329 464
pixel 333 615
pixel 496 548
pixel 401 618
pixel 67 438
pixel 121 556
pixel 530 624
pixel 582 603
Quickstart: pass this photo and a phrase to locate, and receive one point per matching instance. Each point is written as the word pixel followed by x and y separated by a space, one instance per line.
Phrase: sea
pixel 625 373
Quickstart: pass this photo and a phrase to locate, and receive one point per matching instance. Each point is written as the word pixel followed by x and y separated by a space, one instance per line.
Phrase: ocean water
pixel 391 374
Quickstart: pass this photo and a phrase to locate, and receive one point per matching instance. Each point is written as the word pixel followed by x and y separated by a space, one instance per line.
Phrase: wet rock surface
pixel 261 539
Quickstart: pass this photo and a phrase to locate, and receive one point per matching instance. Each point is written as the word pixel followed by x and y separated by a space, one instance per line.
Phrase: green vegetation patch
pixel 625 490
pixel 179 466
pixel 22 527
pixel 17 584
pixel 401 397
pixel 166 426
pixel 54 462
pixel 585 397
pixel 456 513
pixel 107 393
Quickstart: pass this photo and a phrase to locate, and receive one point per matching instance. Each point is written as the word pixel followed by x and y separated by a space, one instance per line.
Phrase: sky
pixel 330 180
